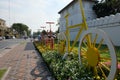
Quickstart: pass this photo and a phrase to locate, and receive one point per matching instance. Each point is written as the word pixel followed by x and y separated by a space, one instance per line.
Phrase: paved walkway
pixel 24 63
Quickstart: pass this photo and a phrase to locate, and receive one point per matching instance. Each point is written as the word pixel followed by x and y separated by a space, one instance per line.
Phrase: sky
pixel 33 13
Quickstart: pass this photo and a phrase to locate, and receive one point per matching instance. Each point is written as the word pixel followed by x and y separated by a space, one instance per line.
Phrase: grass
pixel 117 50
pixel 2 72
pixel 103 47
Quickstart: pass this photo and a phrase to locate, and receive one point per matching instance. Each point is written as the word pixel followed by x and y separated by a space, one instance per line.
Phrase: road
pixel 5 44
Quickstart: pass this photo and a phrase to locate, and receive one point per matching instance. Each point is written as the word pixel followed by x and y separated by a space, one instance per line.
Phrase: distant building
pixel 3 27
pixel 73 8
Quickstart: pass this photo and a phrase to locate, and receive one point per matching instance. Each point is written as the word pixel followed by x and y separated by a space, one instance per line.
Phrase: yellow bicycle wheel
pixel 96 51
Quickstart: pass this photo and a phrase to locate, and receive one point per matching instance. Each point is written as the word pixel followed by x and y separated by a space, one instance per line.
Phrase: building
pixel 75 17
pixel 3 27
pixel 5 32
pixel 110 24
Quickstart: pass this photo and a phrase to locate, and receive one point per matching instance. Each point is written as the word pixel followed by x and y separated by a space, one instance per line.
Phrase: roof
pixel 72 2
pixel 2 20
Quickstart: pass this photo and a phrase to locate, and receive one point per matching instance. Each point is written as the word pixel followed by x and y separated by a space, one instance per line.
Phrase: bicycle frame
pixel 89 42
pixel 83 26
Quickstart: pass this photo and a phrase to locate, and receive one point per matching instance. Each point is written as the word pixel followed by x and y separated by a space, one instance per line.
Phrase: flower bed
pixel 66 69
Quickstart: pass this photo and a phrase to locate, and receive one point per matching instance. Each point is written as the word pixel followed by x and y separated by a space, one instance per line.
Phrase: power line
pixel 9 9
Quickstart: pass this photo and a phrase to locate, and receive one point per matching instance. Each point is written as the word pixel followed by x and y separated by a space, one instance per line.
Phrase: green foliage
pixel 66 69
pixel 20 28
pixel 69 69
pixel 44 32
pixel 107 7
pixel 35 34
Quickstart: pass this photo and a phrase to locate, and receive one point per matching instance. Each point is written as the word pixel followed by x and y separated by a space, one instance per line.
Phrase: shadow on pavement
pixel 29 46
pixel 41 70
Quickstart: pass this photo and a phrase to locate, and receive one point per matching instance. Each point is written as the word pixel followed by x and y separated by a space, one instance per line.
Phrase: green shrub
pixel 66 69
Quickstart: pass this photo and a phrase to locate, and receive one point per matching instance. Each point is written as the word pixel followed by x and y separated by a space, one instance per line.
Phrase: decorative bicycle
pixel 95 48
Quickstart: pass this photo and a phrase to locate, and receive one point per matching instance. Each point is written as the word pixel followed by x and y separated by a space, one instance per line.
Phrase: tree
pixel 35 34
pixel 107 7
pixel 20 28
pixel 29 32
pixel 57 30
pixel 44 32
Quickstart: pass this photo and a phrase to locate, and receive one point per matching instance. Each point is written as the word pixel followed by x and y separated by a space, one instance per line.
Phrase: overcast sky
pixel 33 13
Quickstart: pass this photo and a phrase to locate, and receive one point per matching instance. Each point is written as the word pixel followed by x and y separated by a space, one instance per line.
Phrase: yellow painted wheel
pixel 62 43
pixel 97 53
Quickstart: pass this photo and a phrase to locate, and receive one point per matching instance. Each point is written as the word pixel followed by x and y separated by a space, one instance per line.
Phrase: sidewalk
pixel 24 63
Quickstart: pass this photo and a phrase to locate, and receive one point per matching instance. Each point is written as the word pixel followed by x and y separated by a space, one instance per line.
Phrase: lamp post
pixel 43 27
pixel 50 26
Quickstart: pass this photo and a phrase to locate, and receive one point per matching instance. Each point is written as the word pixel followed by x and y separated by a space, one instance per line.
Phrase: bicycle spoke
pixel 100 43
pixel 91 39
pixel 88 40
pixel 83 54
pixel 94 41
pixel 105 58
pixel 105 66
pixel 85 44
pixel 102 71
pixel 95 72
pixel 84 49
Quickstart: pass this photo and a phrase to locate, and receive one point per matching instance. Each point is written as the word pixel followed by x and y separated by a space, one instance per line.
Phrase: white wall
pixel 110 24
pixel 75 14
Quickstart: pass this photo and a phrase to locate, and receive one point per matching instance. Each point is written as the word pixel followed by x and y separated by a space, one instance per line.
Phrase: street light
pixel 43 27
pixel 50 26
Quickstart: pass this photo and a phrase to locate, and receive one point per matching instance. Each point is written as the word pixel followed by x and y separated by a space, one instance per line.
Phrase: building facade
pixel 3 27
pixel 75 16
pixel 110 24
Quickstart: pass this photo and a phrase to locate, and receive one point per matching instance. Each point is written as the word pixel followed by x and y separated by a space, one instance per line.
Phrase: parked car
pixel 1 38
pixel 7 37
pixel 13 37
